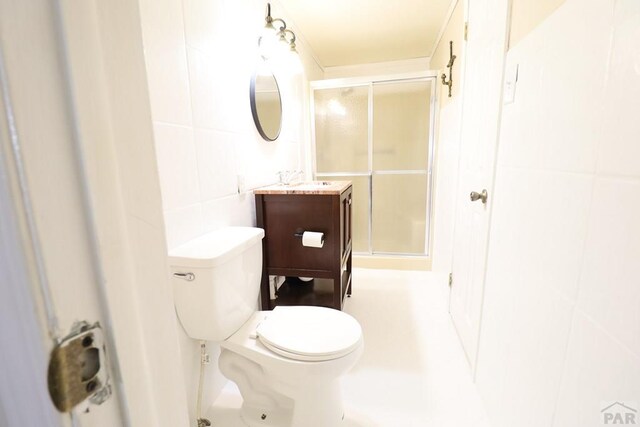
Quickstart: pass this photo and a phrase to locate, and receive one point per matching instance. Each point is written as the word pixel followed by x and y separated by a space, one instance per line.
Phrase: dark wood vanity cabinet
pixel 284 216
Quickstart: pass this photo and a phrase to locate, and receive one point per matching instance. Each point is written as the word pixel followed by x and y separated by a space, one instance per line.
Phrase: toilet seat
pixel 309 333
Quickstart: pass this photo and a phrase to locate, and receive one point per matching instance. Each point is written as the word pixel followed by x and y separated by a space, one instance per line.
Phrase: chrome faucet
pixel 286 177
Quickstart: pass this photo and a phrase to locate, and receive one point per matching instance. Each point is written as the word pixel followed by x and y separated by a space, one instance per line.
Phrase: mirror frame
pixel 254 107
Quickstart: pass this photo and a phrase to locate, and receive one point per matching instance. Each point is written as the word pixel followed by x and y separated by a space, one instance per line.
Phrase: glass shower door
pixel 378 135
pixel 401 128
pixel 342 149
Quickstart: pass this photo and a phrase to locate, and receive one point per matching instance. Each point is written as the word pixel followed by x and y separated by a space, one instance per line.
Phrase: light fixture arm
pixel 270 20
pixel 284 24
pixel 285 34
pixel 292 42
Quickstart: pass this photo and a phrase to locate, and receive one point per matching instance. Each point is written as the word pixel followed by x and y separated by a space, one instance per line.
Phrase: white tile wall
pixel 177 164
pixel 617 156
pixel 609 290
pixel 200 55
pixel 183 224
pixel 561 320
pixel 598 369
pixel 217 165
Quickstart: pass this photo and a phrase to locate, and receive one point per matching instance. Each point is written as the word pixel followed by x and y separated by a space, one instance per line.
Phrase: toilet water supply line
pixel 204 360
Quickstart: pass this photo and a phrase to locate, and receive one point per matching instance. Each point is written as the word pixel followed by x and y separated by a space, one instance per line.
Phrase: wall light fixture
pixel 275 37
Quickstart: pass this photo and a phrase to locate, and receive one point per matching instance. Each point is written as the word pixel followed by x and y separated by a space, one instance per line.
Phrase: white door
pixel 51 274
pixel 484 62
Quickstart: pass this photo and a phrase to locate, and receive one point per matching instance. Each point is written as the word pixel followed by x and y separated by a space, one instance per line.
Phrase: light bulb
pixel 292 61
pixel 268 41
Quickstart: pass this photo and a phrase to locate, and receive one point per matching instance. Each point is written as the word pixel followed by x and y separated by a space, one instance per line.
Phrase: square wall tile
pixel 220 89
pixel 203 73
pixel 609 286
pixel 162 23
pixel 522 352
pixel 237 210
pixel 572 88
pixel 207 25
pixel 183 224
pixel 177 166
pixel 168 81
pixel 619 147
pixel 217 168
pixel 598 370
pixel 554 239
pixel 539 227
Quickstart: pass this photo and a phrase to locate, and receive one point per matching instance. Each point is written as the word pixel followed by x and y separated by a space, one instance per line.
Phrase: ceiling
pixel 347 32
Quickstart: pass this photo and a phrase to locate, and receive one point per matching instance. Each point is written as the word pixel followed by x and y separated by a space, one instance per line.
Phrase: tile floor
pixel 413 371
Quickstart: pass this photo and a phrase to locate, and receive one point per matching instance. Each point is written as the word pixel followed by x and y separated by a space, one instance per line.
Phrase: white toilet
pixel 287 362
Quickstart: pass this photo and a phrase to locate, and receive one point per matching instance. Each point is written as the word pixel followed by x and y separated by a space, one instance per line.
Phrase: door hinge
pixel 77 373
pixel 450 279
pixel 466 31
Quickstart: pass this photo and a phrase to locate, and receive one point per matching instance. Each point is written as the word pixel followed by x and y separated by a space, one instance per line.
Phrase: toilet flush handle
pixel 189 277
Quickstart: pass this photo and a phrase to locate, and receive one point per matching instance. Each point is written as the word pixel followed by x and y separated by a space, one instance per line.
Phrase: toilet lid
pixel 309 333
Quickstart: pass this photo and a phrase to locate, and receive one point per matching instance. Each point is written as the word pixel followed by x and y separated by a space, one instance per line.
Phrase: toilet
pixel 287 362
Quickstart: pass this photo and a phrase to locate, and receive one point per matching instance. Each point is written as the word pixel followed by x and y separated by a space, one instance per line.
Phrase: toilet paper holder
pixel 300 232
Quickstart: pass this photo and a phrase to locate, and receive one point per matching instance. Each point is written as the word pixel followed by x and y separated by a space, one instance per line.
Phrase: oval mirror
pixel 266 106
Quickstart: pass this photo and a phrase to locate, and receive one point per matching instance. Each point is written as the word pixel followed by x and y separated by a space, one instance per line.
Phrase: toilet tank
pixel 216 281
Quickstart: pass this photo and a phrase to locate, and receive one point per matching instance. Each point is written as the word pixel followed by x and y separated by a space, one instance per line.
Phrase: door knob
pixel 479 196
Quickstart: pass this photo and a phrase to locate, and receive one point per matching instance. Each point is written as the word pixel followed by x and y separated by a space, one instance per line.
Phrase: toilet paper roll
pixel 312 239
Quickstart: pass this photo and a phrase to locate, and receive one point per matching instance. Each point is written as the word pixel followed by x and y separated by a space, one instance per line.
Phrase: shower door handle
pixel 479 196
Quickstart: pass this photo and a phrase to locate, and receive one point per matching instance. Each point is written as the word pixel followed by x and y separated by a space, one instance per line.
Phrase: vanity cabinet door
pixel 285 216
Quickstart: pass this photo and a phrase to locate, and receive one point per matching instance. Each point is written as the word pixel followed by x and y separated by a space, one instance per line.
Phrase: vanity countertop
pixel 314 187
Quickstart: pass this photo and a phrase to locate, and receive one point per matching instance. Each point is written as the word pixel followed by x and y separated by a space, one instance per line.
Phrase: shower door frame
pixel 369 81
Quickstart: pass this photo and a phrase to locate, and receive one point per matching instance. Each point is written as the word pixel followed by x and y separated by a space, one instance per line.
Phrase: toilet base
pixel 269 401
pixel 315 408
pixel 255 417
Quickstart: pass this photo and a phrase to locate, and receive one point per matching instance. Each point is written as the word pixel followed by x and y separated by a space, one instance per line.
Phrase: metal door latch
pixel 78 369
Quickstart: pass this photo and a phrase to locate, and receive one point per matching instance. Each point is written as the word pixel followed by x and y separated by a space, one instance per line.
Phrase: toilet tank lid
pixel 216 247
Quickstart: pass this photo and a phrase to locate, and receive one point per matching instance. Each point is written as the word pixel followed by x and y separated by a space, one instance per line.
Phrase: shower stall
pixel 379 134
